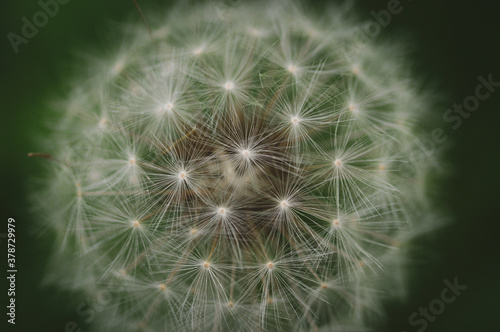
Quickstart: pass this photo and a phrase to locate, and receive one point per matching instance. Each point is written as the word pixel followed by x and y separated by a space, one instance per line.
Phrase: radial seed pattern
pixel 238 172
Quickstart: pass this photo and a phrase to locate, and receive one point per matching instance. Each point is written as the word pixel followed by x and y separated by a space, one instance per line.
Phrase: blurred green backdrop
pixel 454 43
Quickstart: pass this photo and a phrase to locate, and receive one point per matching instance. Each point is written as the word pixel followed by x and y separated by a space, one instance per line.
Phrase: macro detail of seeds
pixel 242 169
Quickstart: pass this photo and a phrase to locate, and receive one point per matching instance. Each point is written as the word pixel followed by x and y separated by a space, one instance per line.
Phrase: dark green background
pixel 455 42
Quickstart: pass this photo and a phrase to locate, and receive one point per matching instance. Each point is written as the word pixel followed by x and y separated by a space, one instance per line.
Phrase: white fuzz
pixel 238 172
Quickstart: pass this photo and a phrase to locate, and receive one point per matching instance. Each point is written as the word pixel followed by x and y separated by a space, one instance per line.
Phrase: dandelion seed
pixel 182 175
pixel 255 32
pixel 78 189
pixel 198 50
pixel 295 120
pixel 353 108
pixel 118 67
pixel 103 123
pixel 168 107
pixel 229 86
pixel 246 153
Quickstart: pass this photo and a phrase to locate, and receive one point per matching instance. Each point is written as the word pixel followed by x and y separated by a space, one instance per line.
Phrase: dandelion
pixel 237 172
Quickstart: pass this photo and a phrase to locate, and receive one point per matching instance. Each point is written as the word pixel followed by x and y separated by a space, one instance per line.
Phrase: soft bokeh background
pixel 455 42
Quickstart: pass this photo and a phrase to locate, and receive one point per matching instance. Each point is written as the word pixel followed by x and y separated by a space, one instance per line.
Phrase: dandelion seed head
pixel 229 172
